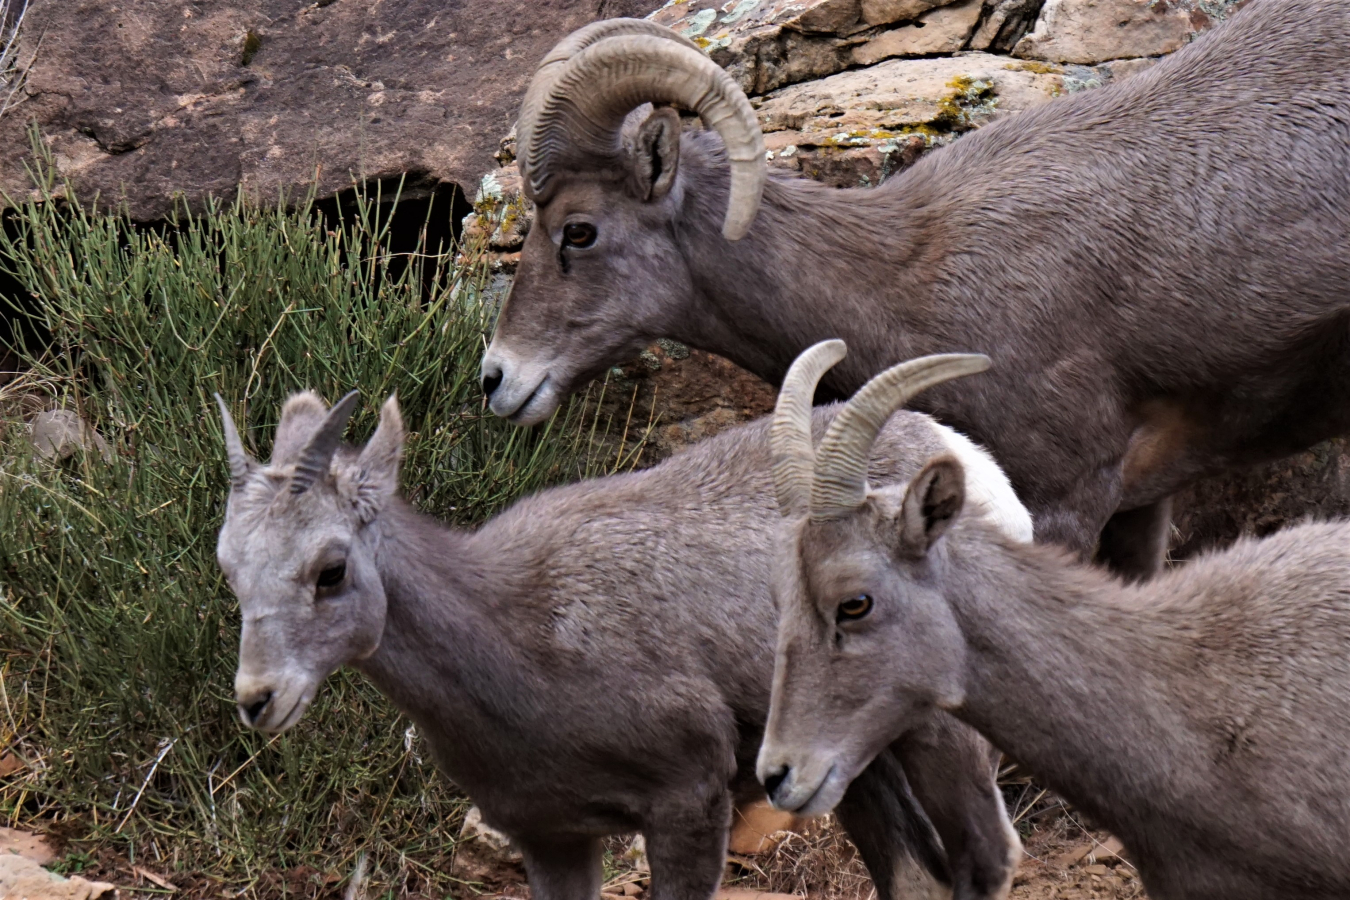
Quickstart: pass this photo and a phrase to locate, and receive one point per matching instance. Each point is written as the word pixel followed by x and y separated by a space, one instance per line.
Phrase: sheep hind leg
pixel 952 772
pixel 687 849
pixel 563 868
pixel 1133 544
pixel 894 838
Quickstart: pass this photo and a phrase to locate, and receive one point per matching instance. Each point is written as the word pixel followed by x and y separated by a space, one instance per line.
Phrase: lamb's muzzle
pixel 589 82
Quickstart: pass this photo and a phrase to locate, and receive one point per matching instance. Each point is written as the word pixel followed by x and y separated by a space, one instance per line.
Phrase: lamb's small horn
pixel 578 109
pixel 840 482
pixel 792 453
pixel 318 453
pixel 241 464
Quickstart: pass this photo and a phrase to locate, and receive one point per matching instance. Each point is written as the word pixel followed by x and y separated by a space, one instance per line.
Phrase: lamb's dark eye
pixel 332 576
pixel 854 608
pixel 578 234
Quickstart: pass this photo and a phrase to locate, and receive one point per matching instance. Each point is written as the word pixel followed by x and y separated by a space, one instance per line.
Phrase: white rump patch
pixel 988 486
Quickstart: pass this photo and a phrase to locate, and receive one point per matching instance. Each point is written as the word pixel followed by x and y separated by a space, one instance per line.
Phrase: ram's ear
pixel 656 153
pixel 933 501
pixel 376 477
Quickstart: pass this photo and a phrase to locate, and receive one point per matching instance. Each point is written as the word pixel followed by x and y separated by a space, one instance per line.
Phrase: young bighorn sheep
pixel 1203 717
pixel 596 659
pixel 1157 267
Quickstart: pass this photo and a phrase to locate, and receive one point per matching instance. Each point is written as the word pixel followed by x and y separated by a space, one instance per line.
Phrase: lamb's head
pixel 865 639
pixel 297 548
pixel 601 275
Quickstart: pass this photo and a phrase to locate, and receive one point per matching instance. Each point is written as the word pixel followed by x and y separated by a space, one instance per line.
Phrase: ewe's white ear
pixel 932 503
pixel 656 153
pixel 377 467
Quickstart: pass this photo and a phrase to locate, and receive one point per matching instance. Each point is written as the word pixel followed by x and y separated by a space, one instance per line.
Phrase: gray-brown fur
pixel 596 659
pixel 1157 268
pixel 1203 717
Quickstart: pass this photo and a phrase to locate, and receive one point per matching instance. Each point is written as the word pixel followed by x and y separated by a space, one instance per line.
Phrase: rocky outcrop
pixel 151 99
pixel 1087 31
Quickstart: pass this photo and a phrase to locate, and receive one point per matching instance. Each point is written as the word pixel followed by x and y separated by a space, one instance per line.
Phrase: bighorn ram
pixel 596 659
pixel 1157 267
pixel 1204 717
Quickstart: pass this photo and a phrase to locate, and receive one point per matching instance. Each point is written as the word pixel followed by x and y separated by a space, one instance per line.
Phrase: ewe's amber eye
pixel 854 608
pixel 578 234
pixel 332 576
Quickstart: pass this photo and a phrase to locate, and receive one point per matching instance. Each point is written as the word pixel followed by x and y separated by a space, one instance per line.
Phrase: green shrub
pixel 118 632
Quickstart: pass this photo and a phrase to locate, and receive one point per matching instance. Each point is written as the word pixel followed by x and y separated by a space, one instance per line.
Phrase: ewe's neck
pixel 1069 673
pixel 442 658
pixel 813 266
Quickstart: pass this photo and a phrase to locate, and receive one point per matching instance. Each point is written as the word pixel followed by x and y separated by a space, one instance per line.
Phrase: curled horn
pixel 793 457
pixel 579 98
pixel 318 453
pixel 548 71
pixel 241 464
pixel 840 482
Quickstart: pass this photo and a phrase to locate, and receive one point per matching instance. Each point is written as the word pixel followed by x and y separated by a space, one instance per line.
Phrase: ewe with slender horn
pixel 497 642
pixel 591 81
pixel 1203 717
pixel 1194 323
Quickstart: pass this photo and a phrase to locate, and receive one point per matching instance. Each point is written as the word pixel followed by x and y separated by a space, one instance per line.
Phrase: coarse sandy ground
pixel 818 863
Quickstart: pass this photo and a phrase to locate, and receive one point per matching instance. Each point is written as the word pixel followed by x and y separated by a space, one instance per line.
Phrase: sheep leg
pixel 563 868
pixel 892 834
pixel 686 849
pixel 951 771
pixel 1134 542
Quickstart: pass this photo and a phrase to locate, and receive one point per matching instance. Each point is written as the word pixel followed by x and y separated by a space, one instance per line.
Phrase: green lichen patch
pixel 252 43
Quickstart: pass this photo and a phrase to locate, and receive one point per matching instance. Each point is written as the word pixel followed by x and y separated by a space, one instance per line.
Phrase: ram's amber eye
pixel 854 608
pixel 332 576
pixel 578 234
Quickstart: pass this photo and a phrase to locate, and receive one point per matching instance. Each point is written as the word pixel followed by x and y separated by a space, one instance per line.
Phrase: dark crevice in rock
pixel 427 219
pixel 1021 18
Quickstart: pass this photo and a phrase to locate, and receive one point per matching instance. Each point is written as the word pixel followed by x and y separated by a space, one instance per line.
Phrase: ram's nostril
pixel 491 381
pixel 253 711
pixel 775 780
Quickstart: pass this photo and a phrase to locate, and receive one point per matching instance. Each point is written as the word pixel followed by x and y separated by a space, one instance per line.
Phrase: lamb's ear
pixel 377 466
pixel 932 503
pixel 656 153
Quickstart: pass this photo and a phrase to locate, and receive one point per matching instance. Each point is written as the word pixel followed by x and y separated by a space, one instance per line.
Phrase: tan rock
pixel 59 433
pixel 884 12
pixel 765 44
pixel 25 843
pixel 942 30
pixel 21 877
pixel 1092 31
pixel 859 127
pixel 759 828
pixel 736 893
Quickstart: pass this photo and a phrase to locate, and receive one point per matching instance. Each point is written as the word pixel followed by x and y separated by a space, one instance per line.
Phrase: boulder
pixel 60 433
pixel 768 44
pixel 859 127
pixel 141 101
pixel 1093 31
pixel 945 29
